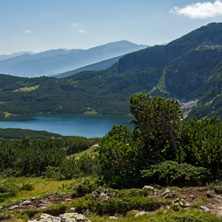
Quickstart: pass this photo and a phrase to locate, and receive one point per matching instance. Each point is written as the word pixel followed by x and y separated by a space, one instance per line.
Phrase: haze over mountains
pixel 188 69
pixel 60 60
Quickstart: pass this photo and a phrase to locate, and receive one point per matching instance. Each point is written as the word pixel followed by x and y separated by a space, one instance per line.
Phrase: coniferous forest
pixel 162 150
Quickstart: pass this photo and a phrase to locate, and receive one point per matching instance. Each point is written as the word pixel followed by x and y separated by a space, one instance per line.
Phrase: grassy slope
pixel 42 187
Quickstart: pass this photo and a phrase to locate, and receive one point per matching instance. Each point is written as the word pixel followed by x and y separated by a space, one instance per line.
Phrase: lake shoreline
pixel 67 124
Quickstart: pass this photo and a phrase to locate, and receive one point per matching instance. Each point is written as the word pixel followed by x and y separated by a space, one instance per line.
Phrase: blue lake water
pixel 68 125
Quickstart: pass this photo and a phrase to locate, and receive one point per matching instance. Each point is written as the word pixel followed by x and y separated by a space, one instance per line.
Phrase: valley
pixel 187 69
pixel 93 165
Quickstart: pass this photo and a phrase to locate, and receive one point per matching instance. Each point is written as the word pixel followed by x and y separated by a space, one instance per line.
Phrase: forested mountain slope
pixel 188 69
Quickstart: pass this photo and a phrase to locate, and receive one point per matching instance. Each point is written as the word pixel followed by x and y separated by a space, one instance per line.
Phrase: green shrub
pixel 8 190
pixel 23 218
pixel 117 201
pixel 27 186
pixel 173 173
pixel 86 186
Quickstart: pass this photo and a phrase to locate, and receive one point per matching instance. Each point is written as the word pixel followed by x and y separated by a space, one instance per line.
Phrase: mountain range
pixel 56 61
pixel 188 69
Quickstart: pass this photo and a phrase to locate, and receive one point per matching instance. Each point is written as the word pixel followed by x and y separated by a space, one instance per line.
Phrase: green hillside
pixel 188 69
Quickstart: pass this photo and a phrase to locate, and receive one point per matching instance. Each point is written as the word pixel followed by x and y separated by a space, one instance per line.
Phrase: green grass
pixel 27 89
pixel 91 152
pixel 170 216
pixel 200 201
pixel 42 187
pixel 161 85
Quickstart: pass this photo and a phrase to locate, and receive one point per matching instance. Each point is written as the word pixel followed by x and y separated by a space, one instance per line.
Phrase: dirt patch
pixel 200 198
pixel 39 203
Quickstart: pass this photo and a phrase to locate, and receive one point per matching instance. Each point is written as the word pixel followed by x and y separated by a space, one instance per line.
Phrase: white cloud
pixel 28 31
pixel 74 25
pixel 200 10
pixel 82 31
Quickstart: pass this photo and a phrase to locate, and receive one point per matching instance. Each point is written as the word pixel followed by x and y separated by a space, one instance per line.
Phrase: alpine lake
pixel 68 125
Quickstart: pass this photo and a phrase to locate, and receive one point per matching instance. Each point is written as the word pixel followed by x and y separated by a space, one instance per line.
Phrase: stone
pixel 68 199
pixel 73 217
pixel 113 218
pixel 205 209
pixel 67 217
pixel 85 211
pixel 192 197
pixel 165 192
pixel 72 210
pixel 148 188
pixel 102 195
pixel 210 194
pixel 47 218
pixel 13 207
pixel 141 213
pixel 184 204
pixel 43 204
pixel 170 196
pixel 26 202
pixel 177 200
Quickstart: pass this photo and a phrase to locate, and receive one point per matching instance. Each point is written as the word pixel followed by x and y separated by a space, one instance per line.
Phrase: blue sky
pixel 38 25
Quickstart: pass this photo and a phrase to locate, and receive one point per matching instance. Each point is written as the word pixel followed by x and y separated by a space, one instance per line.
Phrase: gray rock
pixel 210 194
pixel 170 196
pixel 192 197
pixel 177 200
pixel 102 195
pixel 205 209
pixel 13 207
pixel 165 192
pixel 73 217
pixel 67 217
pixel 26 202
pixel 184 204
pixel 148 188
pixel 141 213
pixel 113 218
pixel 46 218
pixel 43 204
pixel 72 210
pixel 68 199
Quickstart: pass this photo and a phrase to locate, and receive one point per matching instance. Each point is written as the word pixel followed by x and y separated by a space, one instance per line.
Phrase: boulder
pixel 46 218
pixel 73 217
pixel 67 217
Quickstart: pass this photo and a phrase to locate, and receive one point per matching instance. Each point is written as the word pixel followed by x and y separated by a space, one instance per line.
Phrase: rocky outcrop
pixel 67 217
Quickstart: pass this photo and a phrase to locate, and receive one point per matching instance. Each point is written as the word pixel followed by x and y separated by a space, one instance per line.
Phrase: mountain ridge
pixel 60 60
pixel 188 69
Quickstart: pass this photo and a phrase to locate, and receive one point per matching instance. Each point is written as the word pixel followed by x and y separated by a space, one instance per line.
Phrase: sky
pixel 40 25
